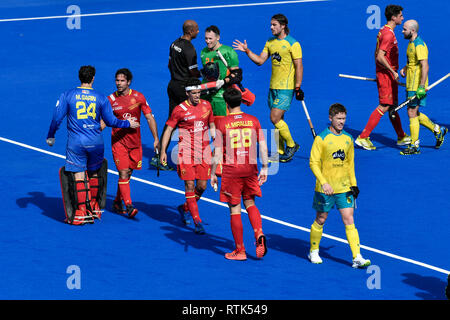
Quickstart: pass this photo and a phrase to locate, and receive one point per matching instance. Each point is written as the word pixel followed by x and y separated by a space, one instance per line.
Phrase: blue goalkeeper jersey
pixel 84 107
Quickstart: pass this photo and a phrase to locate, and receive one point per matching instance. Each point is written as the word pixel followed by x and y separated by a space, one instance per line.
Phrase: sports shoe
pixel 360 262
pixel 131 211
pixel 404 141
pixel 289 154
pixel 261 248
pixel 198 229
pixel 365 143
pixel 184 215
pixel 411 149
pixel 440 137
pixel 314 257
pixel 118 207
pixel 236 255
pixel 165 167
pixel 154 161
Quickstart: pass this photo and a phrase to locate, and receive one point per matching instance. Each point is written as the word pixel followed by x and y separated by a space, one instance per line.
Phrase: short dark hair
pixel 392 10
pixel 86 74
pixel 126 72
pixel 233 97
pixel 214 29
pixel 192 82
pixel 281 18
pixel 336 108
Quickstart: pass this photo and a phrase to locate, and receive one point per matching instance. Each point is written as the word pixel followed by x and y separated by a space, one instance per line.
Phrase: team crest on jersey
pixel 276 56
pixel 133 101
pixel 340 154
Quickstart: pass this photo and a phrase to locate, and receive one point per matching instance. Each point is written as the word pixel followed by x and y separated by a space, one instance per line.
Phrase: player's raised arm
pixel 257 59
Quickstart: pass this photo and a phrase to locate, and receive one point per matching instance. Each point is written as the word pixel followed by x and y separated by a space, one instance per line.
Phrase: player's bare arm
pixel 257 59
pixel 381 58
pixel 298 64
pixel 425 69
pixel 327 189
pixel 153 128
pixel 218 154
pixel 102 124
pixel 262 177
pixel 164 142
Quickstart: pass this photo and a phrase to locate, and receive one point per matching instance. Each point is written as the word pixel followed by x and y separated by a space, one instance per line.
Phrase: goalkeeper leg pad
pixel 102 174
pixel 70 199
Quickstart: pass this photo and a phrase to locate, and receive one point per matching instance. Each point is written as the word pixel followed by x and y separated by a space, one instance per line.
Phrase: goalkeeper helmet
pixel 210 72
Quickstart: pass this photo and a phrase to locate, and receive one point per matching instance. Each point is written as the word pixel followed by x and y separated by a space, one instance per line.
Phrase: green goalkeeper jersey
pixel 231 58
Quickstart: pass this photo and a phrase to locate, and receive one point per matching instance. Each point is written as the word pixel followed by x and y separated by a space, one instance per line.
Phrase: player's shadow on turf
pixel 51 207
pixel 187 238
pixel 378 138
pixel 159 212
pixel 432 288
pixel 298 247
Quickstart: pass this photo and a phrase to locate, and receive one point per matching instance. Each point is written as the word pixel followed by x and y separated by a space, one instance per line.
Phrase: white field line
pixel 161 10
pixel 394 256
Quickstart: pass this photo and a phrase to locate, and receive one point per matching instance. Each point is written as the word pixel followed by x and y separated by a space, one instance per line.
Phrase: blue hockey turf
pixel 402 212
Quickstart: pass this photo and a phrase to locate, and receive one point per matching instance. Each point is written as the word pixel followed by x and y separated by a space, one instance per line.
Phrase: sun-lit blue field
pixel 402 212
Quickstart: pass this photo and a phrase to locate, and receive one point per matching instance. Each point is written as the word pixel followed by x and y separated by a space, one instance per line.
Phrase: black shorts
pixel 177 94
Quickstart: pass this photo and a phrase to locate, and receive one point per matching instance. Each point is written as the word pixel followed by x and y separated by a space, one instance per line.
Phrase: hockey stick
pixel 392 111
pixel 365 79
pixel 309 119
pixel 226 65
pixel 158 162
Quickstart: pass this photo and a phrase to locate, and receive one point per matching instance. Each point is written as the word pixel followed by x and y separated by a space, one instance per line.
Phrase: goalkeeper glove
pixel 299 94
pixel 234 77
pixel 421 92
pixel 355 191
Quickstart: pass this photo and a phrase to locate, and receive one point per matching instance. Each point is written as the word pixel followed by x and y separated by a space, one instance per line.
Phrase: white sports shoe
pixel 313 256
pixel 360 262
pixel 365 143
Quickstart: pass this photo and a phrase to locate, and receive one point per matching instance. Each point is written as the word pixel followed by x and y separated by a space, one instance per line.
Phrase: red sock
pixel 124 186
pixel 198 195
pixel 397 124
pixel 255 220
pixel 82 194
pixel 93 187
pixel 372 123
pixel 192 206
pixel 118 195
pixel 238 231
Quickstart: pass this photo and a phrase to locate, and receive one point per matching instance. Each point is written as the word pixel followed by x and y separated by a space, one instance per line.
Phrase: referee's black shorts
pixel 177 94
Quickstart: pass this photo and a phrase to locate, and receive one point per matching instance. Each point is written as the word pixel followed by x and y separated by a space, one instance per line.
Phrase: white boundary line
pixel 394 256
pixel 162 10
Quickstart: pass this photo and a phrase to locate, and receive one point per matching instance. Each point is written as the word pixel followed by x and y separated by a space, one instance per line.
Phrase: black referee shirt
pixel 182 59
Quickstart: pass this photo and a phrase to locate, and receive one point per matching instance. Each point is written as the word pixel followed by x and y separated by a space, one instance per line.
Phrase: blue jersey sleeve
pixel 109 118
pixel 58 115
